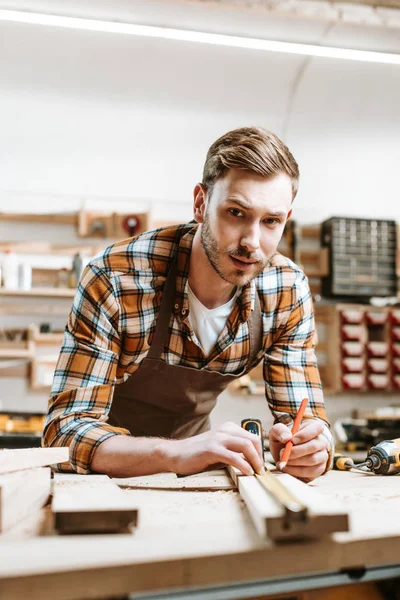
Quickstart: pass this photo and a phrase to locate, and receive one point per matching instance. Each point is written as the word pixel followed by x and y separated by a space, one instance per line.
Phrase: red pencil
pixel 295 428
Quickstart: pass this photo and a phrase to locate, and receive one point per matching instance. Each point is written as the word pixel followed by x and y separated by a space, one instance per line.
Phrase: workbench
pixel 201 544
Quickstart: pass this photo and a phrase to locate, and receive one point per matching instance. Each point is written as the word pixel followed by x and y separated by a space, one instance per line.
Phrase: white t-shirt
pixel 208 323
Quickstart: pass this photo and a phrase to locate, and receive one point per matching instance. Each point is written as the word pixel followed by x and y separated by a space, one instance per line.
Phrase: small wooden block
pixel 21 493
pixel 92 505
pixel 29 458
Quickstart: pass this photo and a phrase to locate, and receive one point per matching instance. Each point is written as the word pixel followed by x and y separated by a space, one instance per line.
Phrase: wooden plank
pixel 269 517
pixel 208 480
pixel 29 458
pixel 94 505
pixel 21 493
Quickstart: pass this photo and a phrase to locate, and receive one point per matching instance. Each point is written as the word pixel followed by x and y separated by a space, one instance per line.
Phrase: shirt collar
pixel 245 300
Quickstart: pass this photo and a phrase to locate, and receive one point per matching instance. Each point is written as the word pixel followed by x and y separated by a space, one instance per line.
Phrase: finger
pixel 311 430
pixel 280 433
pixel 236 460
pixel 250 454
pixel 315 445
pixel 256 440
pixel 305 473
pixel 310 460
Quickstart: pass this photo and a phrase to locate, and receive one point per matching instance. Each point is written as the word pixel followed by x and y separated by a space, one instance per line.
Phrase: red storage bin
pixel 352 316
pixel 375 317
pixel 378 349
pixel 378 365
pixel 353 381
pixel 352 348
pixel 378 382
pixel 353 332
pixel 353 364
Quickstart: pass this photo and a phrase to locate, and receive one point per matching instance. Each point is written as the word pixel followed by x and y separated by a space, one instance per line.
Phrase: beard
pixel 215 256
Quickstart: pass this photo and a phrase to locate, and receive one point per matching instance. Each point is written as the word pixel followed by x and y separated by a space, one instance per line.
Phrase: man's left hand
pixel 309 455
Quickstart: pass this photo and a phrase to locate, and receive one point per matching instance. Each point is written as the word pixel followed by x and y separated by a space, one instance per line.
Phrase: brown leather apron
pixel 172 401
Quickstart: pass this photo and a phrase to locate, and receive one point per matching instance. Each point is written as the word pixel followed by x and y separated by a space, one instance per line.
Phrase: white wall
pixel 88 115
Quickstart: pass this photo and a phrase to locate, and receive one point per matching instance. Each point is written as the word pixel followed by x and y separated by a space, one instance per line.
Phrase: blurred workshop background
pixel 104 134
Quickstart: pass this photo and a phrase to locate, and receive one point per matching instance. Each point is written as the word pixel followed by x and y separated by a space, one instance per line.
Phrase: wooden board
pixel 91 506
pixel 28 458
pixel 22 493
pixel 269 516
pixel 208 480
pixel 176 540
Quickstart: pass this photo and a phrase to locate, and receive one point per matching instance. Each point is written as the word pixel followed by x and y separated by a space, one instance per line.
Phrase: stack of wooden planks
pixel 25 481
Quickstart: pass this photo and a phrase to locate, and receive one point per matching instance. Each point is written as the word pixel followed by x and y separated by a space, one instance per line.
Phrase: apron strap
pixel 167 302
pixel 256 330
pixel 164 313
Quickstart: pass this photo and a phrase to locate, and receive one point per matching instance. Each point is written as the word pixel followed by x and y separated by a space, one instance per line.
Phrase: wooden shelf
pixel 45 248
pixel 60 218
pixel 40 292
pixel 15 353
pixel 48 338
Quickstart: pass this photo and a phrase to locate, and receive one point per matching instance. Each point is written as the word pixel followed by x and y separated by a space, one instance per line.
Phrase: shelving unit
pixel 40 293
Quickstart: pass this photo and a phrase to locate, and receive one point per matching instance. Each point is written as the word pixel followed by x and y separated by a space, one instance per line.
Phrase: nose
pixel 251 238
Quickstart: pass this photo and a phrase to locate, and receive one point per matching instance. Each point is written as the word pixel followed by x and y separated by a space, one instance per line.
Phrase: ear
pixel 200 202
pixel 289 214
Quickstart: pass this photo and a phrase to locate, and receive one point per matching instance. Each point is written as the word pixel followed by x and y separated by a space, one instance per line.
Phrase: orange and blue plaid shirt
pixel 113 319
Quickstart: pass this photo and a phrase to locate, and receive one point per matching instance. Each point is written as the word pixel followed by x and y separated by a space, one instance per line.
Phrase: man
pixel 161 323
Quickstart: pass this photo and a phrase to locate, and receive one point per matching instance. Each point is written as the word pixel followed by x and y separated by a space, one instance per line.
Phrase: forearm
pixel 125 456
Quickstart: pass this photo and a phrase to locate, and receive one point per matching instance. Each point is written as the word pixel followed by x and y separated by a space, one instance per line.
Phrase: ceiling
pixel 190 14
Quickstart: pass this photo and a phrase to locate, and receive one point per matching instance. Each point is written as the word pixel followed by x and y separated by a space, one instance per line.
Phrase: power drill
pixel 382 459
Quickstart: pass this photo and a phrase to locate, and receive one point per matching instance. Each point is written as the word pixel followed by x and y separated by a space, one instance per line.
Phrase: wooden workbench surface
pixel 194 538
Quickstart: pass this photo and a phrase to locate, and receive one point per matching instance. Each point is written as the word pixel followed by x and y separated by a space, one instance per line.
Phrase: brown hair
pixel 251 149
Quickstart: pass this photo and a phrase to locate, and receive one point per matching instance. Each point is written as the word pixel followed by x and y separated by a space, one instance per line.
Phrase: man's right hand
pixel 228 444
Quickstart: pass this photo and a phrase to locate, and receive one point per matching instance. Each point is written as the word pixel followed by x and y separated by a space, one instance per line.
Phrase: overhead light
pixel 199 37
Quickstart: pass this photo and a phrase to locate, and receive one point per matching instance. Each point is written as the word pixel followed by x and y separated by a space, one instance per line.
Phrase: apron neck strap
pixel 164 314
pixel 167 305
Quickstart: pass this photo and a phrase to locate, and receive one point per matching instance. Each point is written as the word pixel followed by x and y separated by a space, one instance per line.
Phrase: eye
pixel 235 212
pixel 271 222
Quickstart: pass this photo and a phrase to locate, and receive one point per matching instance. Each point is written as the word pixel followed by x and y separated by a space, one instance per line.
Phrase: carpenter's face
pixel 242 223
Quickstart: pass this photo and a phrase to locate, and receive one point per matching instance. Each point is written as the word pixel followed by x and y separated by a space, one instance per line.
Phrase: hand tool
pixel 254 426
pixel 294 508
pixel 295 428
pixel 382 459
pixel 342 463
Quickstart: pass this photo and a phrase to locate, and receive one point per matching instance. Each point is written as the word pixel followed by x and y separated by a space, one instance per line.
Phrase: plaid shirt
pixel 113 319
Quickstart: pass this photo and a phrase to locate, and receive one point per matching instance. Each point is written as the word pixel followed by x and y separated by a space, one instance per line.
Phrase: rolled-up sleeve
pixel 85 374
pixel 290 364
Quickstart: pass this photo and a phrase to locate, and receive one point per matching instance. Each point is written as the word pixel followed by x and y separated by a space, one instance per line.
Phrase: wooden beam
pixel 270 518
pixel 29 458
pixel 21 493
pixel 93 505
